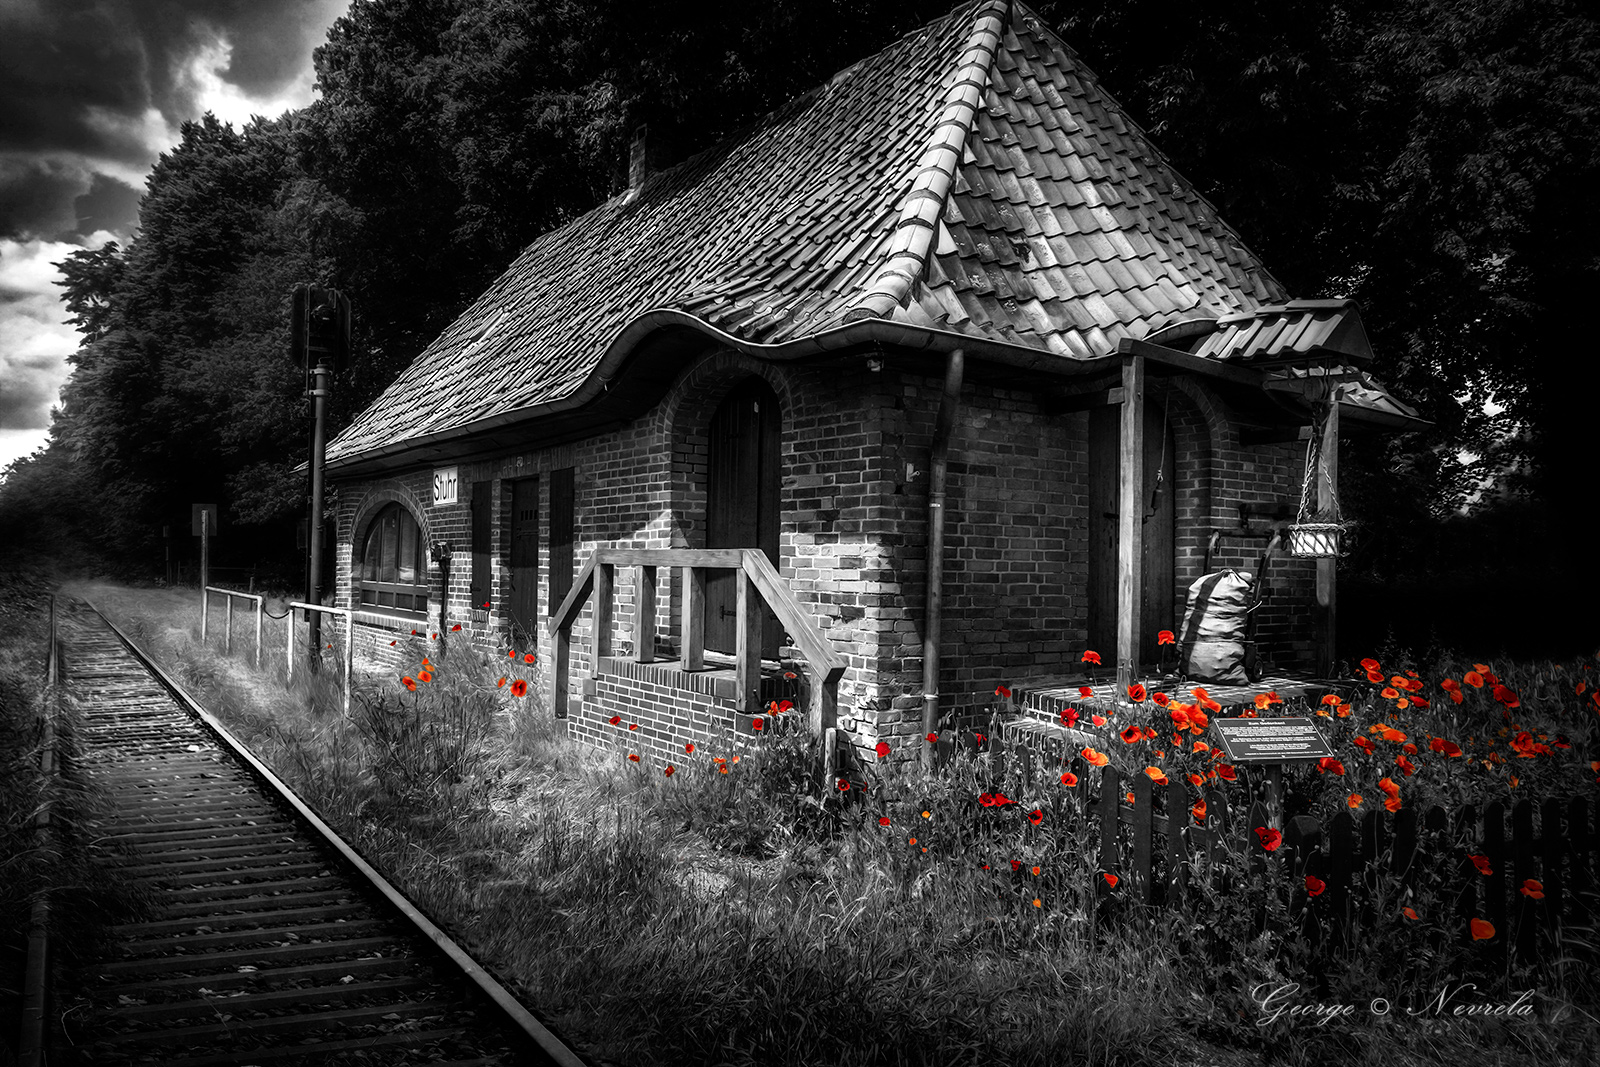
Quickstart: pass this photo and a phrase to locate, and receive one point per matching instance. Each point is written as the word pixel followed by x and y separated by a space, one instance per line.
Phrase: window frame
pixel 361 585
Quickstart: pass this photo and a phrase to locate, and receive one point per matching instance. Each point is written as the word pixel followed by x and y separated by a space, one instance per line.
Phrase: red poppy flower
pixel 1111 880
pixel 1001 800
pixel 1165 637
pixel 1482 863
pixel 1069 717
pixel 1449 684
pixel 1136 693
pixel 1156 775
pixel 1270 838
pixel 1201 746
pixel 669 769
pixel 1098 720
pixel 844 785
pixel 1128 796
pixel 633 757
pixel 1162 699
pixel 1330 698
pixel 1482 930
pixel 424 676
pixel 756 724
pixel 981 737
pixel 1474 679
pixel 519 688
pixel 1092 657
pixel 1370 664
pixel 415 634
pixel 456 627
pixel 1375 676
pixel 1097 759
pixel 391 644
pixel 1405 765
pixel 1016 865
pixel 409 682
pixel 883 820
pixel 689 748
pixel 1314 885
pixel 1085 692
pixel 1069 779
pixel 500 684
pixel 1036 816
pixel 1390 786
pixel 1354 800
pixel 1506 697
pixel 1409 748
pixel 1328 764
pixel 1363 744
pixel 785 705
pixel 1532 888
pixel 529 658
pixel 986 799
pixel 1198 810
pixel 1002 691
pixel 882 749
pixel 931 738
pixel 1131 734
pixel 1196 781
pixel 1411 913
pixel 1261 701
pixel 1388 693
pixel 1226 772
pixel 1198 720
pixel 633 726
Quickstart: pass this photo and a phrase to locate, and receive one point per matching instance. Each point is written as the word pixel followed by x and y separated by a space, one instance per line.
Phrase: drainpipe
pixel 938 463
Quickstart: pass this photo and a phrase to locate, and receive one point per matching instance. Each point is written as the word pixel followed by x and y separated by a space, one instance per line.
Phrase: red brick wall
pixel 855 448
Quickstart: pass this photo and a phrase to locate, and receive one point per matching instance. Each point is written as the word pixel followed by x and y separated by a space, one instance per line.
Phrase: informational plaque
pixel 1270 740
pixel 444 485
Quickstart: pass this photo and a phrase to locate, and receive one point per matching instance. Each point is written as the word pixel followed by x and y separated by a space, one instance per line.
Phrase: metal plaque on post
pixel 1270 740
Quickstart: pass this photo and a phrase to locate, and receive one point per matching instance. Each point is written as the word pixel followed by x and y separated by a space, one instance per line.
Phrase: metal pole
pixel 227 638
pixel 938 465
pixel 319 398
pixel 288 657
pixel 349 659
pixel 205 571
pixel 261 604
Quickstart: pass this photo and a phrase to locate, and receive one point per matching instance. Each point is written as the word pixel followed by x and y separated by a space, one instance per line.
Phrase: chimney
pixel 638 162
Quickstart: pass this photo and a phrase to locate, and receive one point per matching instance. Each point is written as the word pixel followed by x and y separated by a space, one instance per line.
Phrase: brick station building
pixel 695 439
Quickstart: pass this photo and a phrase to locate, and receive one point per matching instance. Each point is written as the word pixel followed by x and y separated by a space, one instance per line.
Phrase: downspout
pixel 938 465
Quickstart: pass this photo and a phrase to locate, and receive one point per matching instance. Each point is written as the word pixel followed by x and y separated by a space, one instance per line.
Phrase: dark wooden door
pixel 524 599
pixel 743 477
pixel 1157 541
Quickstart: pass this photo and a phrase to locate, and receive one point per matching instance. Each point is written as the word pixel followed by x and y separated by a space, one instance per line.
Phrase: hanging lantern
pixel 1317 529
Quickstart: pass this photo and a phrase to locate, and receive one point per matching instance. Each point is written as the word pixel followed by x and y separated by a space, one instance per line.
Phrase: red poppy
pixel 1409 748
pixel 882 749
pixel 1165 637
pixel 500 684
pixel 391 644
pixel 1506 697
pixel 1201 746
pixel 1474 679
pixel 529 658
pixel 456 627
pixel 1198 810
pixel 1370 664
pixel 1001 800
pixel 981 737
pixel 1098 720
pixel 1330 698
pixel 1036 816
pixel 1195 780
pixel 1482 863
pixel 1388 785
pixel 1405 765
pixel 669 769
pixel 1002 691
pixel 633 756
pixel 1270 838
pixel 1069 779
pixel 844 785
pixel 1362 743
pixel 633 726
pixel 1226 772
pixel 1449 684
pixel 1092 657
pixel 986 799
pixel 785 705
pixel 615 720
pixel 1016 865
pixel 1328 764
pixel 1482 930
pixel 1111 880
pixel 1532 888
pixel 409 682
pixel 519 688
pixel 883 820
pixel 756 723
pixel 1069 717
pixel 1136 693
pixel 1156 775
pixel 1314 885
pixel 415 634
pixel 1097 759
pixel 1354 800
pixel 931 738
pixel 1198 720
pixel 1162 699
pixel 424 676
pixel 1131 734
pixel 1388 693
pixel 1411 913
pixel 1375 676
pixel 689 748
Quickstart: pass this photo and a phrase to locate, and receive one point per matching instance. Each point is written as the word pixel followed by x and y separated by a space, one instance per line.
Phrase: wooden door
pixel 743 477
pixel 524 570
pixel 1158 542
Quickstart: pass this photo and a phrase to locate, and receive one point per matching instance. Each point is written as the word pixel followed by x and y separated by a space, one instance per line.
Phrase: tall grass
pixel 723 916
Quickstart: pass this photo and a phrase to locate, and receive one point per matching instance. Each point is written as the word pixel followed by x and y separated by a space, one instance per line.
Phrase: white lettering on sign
pixel 445 484
pixel 1270 739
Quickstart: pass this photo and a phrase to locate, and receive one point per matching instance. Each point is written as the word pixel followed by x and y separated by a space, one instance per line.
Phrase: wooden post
pixel 562 672
pixel 1275 795
pixel 747 666
pixel 694 619
pixel 1323 619
pixel 600 637
pixel 1130 510
pixel 824 708
pixel 644 618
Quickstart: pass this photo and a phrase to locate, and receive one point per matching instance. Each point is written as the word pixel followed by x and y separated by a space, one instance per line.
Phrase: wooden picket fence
pixel 1154 846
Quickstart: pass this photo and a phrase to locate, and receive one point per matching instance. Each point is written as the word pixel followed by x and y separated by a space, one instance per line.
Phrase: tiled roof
pixel 1296 330
pixel 971 177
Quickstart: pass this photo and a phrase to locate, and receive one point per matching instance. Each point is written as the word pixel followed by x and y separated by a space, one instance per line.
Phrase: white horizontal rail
pixel 230 594
pixel 349 644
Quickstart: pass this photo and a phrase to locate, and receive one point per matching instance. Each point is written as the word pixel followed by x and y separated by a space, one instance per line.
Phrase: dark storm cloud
pixel 79 80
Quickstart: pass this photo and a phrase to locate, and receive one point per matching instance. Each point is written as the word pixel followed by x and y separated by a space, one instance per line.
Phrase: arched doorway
pixel 1156 567
pixel 743 477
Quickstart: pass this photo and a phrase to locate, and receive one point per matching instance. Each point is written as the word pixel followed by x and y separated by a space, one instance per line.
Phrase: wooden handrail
pixel 756 577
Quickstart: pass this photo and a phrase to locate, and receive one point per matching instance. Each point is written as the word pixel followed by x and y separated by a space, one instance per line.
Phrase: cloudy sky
pixel 91 92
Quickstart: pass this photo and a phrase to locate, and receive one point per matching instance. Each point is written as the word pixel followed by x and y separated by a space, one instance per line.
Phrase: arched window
pixel 392 572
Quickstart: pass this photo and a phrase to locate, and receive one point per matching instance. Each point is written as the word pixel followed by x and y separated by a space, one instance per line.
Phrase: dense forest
pixel 1433 159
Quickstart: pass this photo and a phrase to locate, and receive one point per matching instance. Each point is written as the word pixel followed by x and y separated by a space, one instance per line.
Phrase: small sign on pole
pixel 209 513
pixel 1272 742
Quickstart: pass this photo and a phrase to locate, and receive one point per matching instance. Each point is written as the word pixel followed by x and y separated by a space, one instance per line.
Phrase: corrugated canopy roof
pixel 972 177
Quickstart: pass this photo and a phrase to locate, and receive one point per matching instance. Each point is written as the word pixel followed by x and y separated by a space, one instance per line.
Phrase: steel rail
pixel 547 1043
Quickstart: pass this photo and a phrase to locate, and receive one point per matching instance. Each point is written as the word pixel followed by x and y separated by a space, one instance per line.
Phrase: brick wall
pixel 855 447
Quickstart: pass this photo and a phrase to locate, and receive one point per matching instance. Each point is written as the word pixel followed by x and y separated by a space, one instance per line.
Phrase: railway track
pixel 269 942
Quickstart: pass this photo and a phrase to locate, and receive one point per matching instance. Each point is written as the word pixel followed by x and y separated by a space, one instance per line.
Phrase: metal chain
pixel 1313 461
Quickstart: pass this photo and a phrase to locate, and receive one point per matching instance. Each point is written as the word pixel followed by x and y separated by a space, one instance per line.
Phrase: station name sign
pixel 1270 740
pixel 445 485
